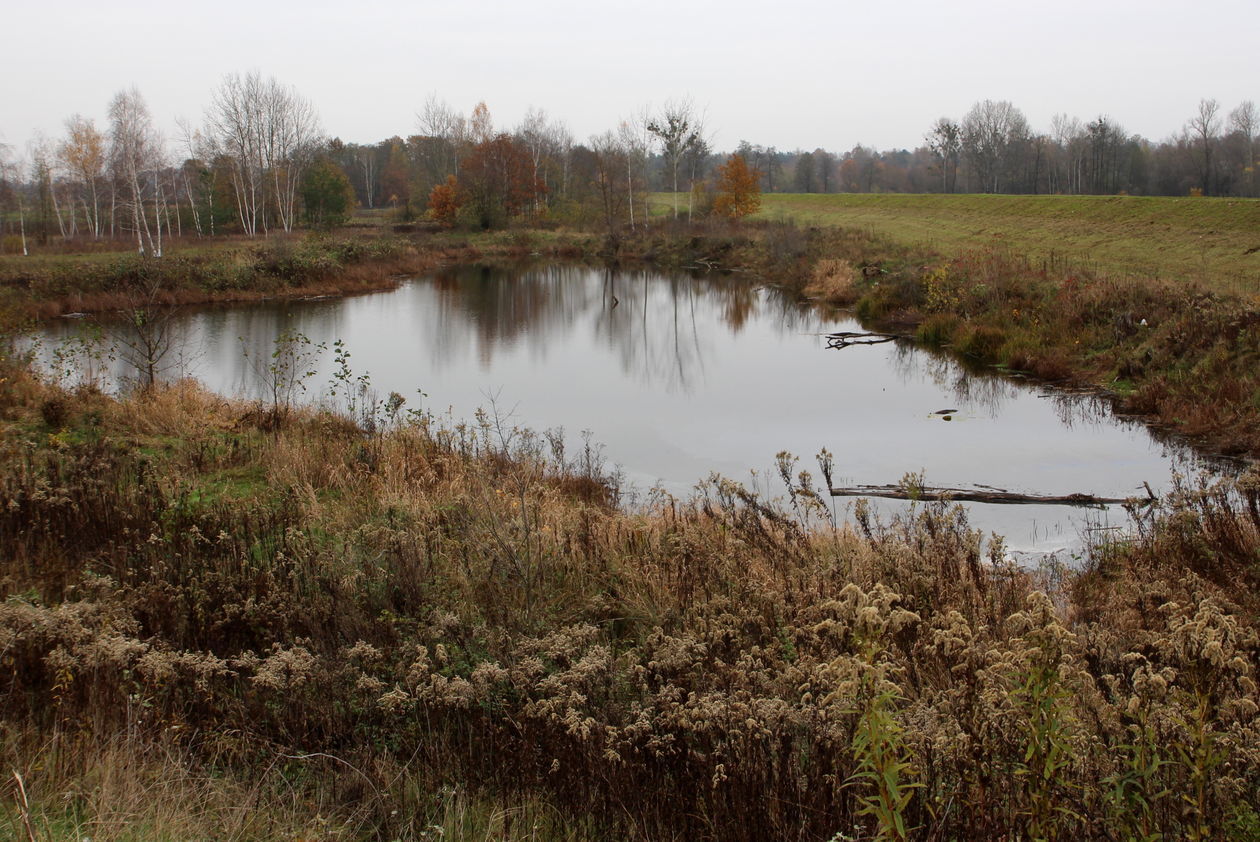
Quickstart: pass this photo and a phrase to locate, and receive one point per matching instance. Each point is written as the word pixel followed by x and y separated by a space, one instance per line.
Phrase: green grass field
pixel 1215 241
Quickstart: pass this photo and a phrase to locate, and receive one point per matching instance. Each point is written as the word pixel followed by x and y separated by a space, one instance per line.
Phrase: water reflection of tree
pixel 972 390
pixel 661 328
pixel 501 307
pixel 657 325
pixel 1087 408
pixel 739 306
pixel 648 321
pixel 1073 408
pixel 789 314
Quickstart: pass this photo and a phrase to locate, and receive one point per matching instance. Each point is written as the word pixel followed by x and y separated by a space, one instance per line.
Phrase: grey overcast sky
pixel 788 73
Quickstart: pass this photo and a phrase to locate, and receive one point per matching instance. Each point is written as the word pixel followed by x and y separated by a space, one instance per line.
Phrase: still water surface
pixel 681 377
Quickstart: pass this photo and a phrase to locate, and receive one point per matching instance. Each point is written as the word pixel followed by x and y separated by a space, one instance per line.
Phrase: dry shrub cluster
pixel 376 630
pixel 833 280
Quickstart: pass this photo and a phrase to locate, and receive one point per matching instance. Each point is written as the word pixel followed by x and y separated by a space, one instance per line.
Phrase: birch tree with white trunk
pixel 197 152
pixel 136 155
pixel 44 174
pixel 679 130
pixel 269 133
pixel 233 125
pixel 83 155
pixel 637 140
pixel 11 187
pixel 549 143
pixel 293 135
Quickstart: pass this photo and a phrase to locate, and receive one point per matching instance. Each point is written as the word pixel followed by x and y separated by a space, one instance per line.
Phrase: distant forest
pixel 991 149
pixel 260 162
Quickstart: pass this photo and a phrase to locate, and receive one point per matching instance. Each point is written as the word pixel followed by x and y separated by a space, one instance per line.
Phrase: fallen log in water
pixel 846 338
pixel 971 495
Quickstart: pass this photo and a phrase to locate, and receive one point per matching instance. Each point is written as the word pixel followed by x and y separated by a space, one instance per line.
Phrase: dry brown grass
pixel 833 280
pixel 445 634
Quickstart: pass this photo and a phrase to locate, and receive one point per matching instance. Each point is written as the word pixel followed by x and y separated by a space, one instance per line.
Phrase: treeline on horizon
pixel 260 162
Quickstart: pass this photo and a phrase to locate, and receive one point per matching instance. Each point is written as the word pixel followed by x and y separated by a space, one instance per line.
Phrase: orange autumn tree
pixel 738 187
pixel 445 201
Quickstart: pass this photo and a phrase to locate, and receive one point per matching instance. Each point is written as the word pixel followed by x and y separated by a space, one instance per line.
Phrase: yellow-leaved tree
pixel 738 187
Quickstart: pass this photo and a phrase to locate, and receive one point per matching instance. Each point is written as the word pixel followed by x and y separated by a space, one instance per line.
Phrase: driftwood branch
pixel 846 338
pixel 966 495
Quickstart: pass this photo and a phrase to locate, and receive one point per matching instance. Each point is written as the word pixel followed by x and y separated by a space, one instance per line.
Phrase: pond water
pixel 680 377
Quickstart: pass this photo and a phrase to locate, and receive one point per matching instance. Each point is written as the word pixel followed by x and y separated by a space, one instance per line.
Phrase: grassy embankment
pixel 233 621
pixel 1204 240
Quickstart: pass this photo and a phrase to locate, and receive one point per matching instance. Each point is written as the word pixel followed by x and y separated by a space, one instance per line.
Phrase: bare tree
pixel 1245 120
pixel 1069 137
pixel 562 149
pixel 763 159
pixel 992 133
pixel 1107 143
pixel 612 172
pixel 443 133
pixel 1202 129
pixel 549 143
pixel 269 133
pixel 438 119
pixel 946 142
pixel 146 335
pixel 11 186
pixel 193 175
pixel 637 140
pixel 135 155
pixel 44 175
pixel 679 130
pixel 293 137
pixel 234 124
pixel 537 134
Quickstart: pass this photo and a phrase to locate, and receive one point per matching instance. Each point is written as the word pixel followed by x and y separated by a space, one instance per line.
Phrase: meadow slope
pixel 1213 241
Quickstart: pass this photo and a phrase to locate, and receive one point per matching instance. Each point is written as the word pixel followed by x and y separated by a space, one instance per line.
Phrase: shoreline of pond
pixel 1168 368
pixel 554 300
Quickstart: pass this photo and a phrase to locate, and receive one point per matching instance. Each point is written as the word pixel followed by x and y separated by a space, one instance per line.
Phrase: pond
pixel 680 377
